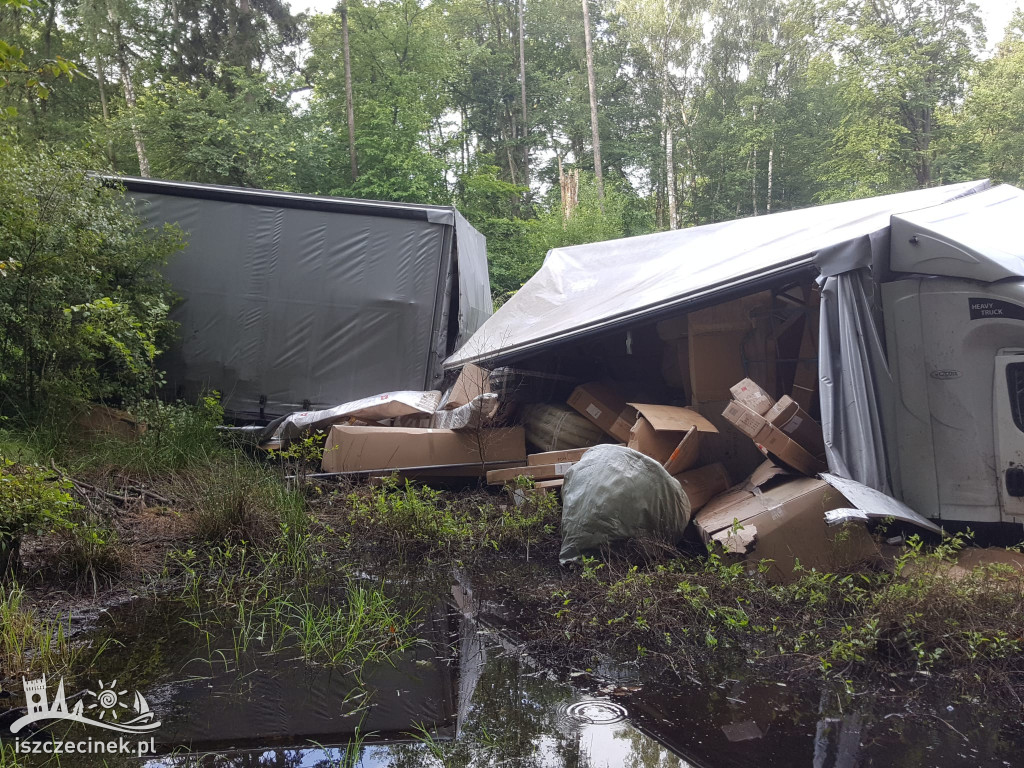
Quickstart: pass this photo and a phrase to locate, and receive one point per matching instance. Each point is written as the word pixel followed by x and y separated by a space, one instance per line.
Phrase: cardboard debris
pixel 668 434
pixel 357 449
pixel 788 416
pixel 604 408
pixel 537 472
pixel 555 457
pixel 472 382
pixel 784 521
pixel 549 484
pixel 751 395
pixel 702 484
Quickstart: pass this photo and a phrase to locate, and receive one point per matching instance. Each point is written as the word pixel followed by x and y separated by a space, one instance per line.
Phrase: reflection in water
pixel 468 698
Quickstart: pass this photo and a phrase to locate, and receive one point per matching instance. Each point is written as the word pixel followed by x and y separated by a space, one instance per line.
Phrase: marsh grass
pixel 416 520
pixel 241 599
pixel 30 643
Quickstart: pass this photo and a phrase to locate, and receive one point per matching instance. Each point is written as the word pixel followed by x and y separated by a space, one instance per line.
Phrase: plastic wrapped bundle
pixel 558 428
pixel 613 494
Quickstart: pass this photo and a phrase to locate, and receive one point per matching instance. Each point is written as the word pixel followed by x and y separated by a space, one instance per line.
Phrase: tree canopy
pixel 703 110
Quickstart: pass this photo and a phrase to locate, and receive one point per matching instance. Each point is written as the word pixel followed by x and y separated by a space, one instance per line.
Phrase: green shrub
pixel 83 307
pixel 31 501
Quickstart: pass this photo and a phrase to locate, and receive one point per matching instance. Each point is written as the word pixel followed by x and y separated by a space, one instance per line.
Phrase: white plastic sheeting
pixel 585 288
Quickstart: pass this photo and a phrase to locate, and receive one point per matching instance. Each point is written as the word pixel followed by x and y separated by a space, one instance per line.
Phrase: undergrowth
pixel 418 521
pixel 921 617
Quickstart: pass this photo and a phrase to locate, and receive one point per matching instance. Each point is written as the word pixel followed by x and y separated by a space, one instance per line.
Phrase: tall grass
pixel 32 644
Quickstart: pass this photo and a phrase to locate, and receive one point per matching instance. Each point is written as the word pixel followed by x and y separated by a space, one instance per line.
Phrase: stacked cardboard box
pixel 782 430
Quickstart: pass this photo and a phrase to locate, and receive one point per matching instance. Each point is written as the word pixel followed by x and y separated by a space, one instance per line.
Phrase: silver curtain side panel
pixel 475 304
pixel 286 309
pixel 583 287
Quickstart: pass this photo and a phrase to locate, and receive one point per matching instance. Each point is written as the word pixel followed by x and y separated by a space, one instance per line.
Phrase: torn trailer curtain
pixel 588 289
pixel 293 302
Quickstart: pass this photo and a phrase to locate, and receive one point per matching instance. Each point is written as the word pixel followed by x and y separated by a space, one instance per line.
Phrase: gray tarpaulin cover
pixel 290 302
pixel 583 288
pixel 614 493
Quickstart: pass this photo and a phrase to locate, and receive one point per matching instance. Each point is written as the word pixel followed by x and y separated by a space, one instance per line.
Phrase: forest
pixel 546 122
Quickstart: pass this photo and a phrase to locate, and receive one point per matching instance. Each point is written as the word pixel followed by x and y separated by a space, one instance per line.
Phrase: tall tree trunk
pixel 129 93
pixel 670 160
pixel 350 106
pixel 771 160
pixel 522 92
pixel 593 105
pixel 101 81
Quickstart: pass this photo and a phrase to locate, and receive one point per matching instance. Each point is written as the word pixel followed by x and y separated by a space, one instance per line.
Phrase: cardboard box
pixel 702 484
pixel 605 408
pixel 716 363
pixel 788 416
pixel 785 522
pixel 745 420
pixel 773 441
pixel 748 393
pixel 668 434
pixel 723 340
pixel 555 457
pixel 472 382
pixel 537 472
pixel 357 449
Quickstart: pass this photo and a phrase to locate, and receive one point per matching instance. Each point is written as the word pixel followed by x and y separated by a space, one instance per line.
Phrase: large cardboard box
pixel 357 449
pixel 788 416
pixel 702 484
pixel 668 434
pixel 728 342
pixel 784 521
pixel 604 407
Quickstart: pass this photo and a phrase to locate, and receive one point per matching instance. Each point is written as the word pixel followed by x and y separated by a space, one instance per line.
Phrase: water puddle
pixel 467 696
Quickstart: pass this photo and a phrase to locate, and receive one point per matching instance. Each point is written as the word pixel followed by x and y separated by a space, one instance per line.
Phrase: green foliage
pixel 32 501
pixel 423 521
pixel 83 309
pixel 922 616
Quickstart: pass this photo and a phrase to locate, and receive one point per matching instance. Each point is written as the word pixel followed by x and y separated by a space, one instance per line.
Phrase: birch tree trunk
pixel 771 159
pixel 593 105
pixel 670 160
pixel 129 92
pixel 350 106
pixel 522 93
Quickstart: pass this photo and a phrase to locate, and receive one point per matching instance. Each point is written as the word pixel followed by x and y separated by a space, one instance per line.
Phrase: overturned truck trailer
pixel 898 319
pixel 294 302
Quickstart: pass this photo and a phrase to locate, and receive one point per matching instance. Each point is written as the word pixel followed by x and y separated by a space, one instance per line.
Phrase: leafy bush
pixel 30 502
pixel 83 308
